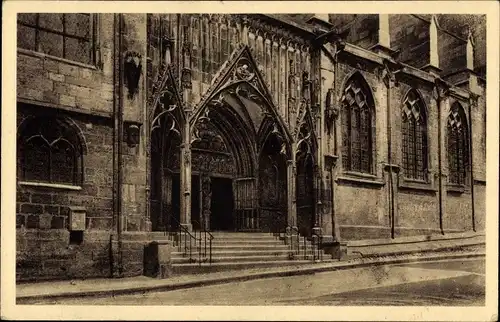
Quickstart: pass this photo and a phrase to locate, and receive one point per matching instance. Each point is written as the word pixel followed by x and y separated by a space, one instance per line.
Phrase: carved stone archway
pixel 240 106
pixel 166 119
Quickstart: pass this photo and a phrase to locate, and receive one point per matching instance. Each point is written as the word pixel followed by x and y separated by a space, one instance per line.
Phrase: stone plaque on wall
pixel 77 218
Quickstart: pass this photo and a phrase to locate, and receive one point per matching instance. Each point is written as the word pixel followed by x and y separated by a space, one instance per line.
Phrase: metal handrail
pixel 199 243
pixel 210 238
pixel 318 246
pixel 292 229
pixel 316 243
pixel 181 229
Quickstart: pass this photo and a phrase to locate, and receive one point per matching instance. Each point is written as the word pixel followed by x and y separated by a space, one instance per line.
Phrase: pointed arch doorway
pixel 247 191
pixel 239 111
pixel 238 172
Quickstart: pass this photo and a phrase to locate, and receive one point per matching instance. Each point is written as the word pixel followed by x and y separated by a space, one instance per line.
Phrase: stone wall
pixel 95 193
pixel 352 212
pixel 418 209
pixel 363 28
pixel 410 35
pixel 417 204
pixel 67 84
pixel 134 160
pixel 42 216
pixel 452 52
pixel 86 95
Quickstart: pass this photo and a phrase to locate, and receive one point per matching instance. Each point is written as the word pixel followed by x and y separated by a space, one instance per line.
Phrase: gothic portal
pixel 240 166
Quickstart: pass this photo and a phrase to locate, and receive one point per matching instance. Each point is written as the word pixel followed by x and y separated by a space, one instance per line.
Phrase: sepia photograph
pixel 232 158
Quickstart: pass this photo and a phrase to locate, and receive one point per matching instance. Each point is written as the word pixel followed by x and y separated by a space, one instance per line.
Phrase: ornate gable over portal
pixel 240 85
pixel 165 110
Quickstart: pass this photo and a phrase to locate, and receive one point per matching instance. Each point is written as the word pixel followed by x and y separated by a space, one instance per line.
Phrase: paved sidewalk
pixel 411 245
pixel 33 292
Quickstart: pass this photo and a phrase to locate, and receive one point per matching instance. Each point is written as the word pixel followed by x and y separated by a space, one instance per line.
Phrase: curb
pixel 223 280
pixel 417 251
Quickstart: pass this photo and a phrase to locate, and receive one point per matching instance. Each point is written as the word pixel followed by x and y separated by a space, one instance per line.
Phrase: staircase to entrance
pixel 243 250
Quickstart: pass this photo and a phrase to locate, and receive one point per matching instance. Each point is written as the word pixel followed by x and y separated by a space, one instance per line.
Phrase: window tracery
pixel 49 151
pixel 357 126
pixel 458 145
pixel 414 136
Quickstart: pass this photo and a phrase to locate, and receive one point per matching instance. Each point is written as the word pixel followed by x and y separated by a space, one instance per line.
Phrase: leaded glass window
pixel 49 151
pixel 414 136
pixel 458 145
pixel 357 126
pixel 65 35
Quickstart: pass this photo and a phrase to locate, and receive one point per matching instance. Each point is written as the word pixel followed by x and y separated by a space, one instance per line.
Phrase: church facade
pixel 344 126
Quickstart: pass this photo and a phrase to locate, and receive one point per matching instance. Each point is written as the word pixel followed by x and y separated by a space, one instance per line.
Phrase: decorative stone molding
pixel 473 100
pixel 186 79
pixel 133 133
pixel 132 69
pixel 165 103
pixel 387 73
pixel 440 90
pixel 270 25
pixel 331 109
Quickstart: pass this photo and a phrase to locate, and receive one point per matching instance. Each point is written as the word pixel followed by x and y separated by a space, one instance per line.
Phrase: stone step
pixel 256 238
pixel 260 245
pixel 235 259
pixel 196 268
pixel 219 253
pixel 222 242
pixel 237 233
pixel 224 248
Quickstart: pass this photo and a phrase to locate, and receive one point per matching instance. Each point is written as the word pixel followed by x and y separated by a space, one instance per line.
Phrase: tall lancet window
pixel 414 135
pixel 458 145
pixel 358 116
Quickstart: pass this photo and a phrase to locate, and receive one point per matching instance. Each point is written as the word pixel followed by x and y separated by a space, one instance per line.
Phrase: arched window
pixel 49 151
pixel 458 145
pixel 414 134
pixel 357 126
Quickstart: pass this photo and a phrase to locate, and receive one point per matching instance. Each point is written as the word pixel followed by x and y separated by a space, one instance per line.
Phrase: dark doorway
pixel 195 202
pixel 221 217
pixel 176 203
pixel 175 216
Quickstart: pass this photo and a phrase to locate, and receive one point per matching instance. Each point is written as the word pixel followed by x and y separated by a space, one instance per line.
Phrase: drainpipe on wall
pixel 471 101
pixel 389 79
pixel 438 98
pixel 389 152
pixel 117 138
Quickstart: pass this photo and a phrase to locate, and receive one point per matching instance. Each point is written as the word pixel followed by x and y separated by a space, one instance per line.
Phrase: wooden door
pixel 246 212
